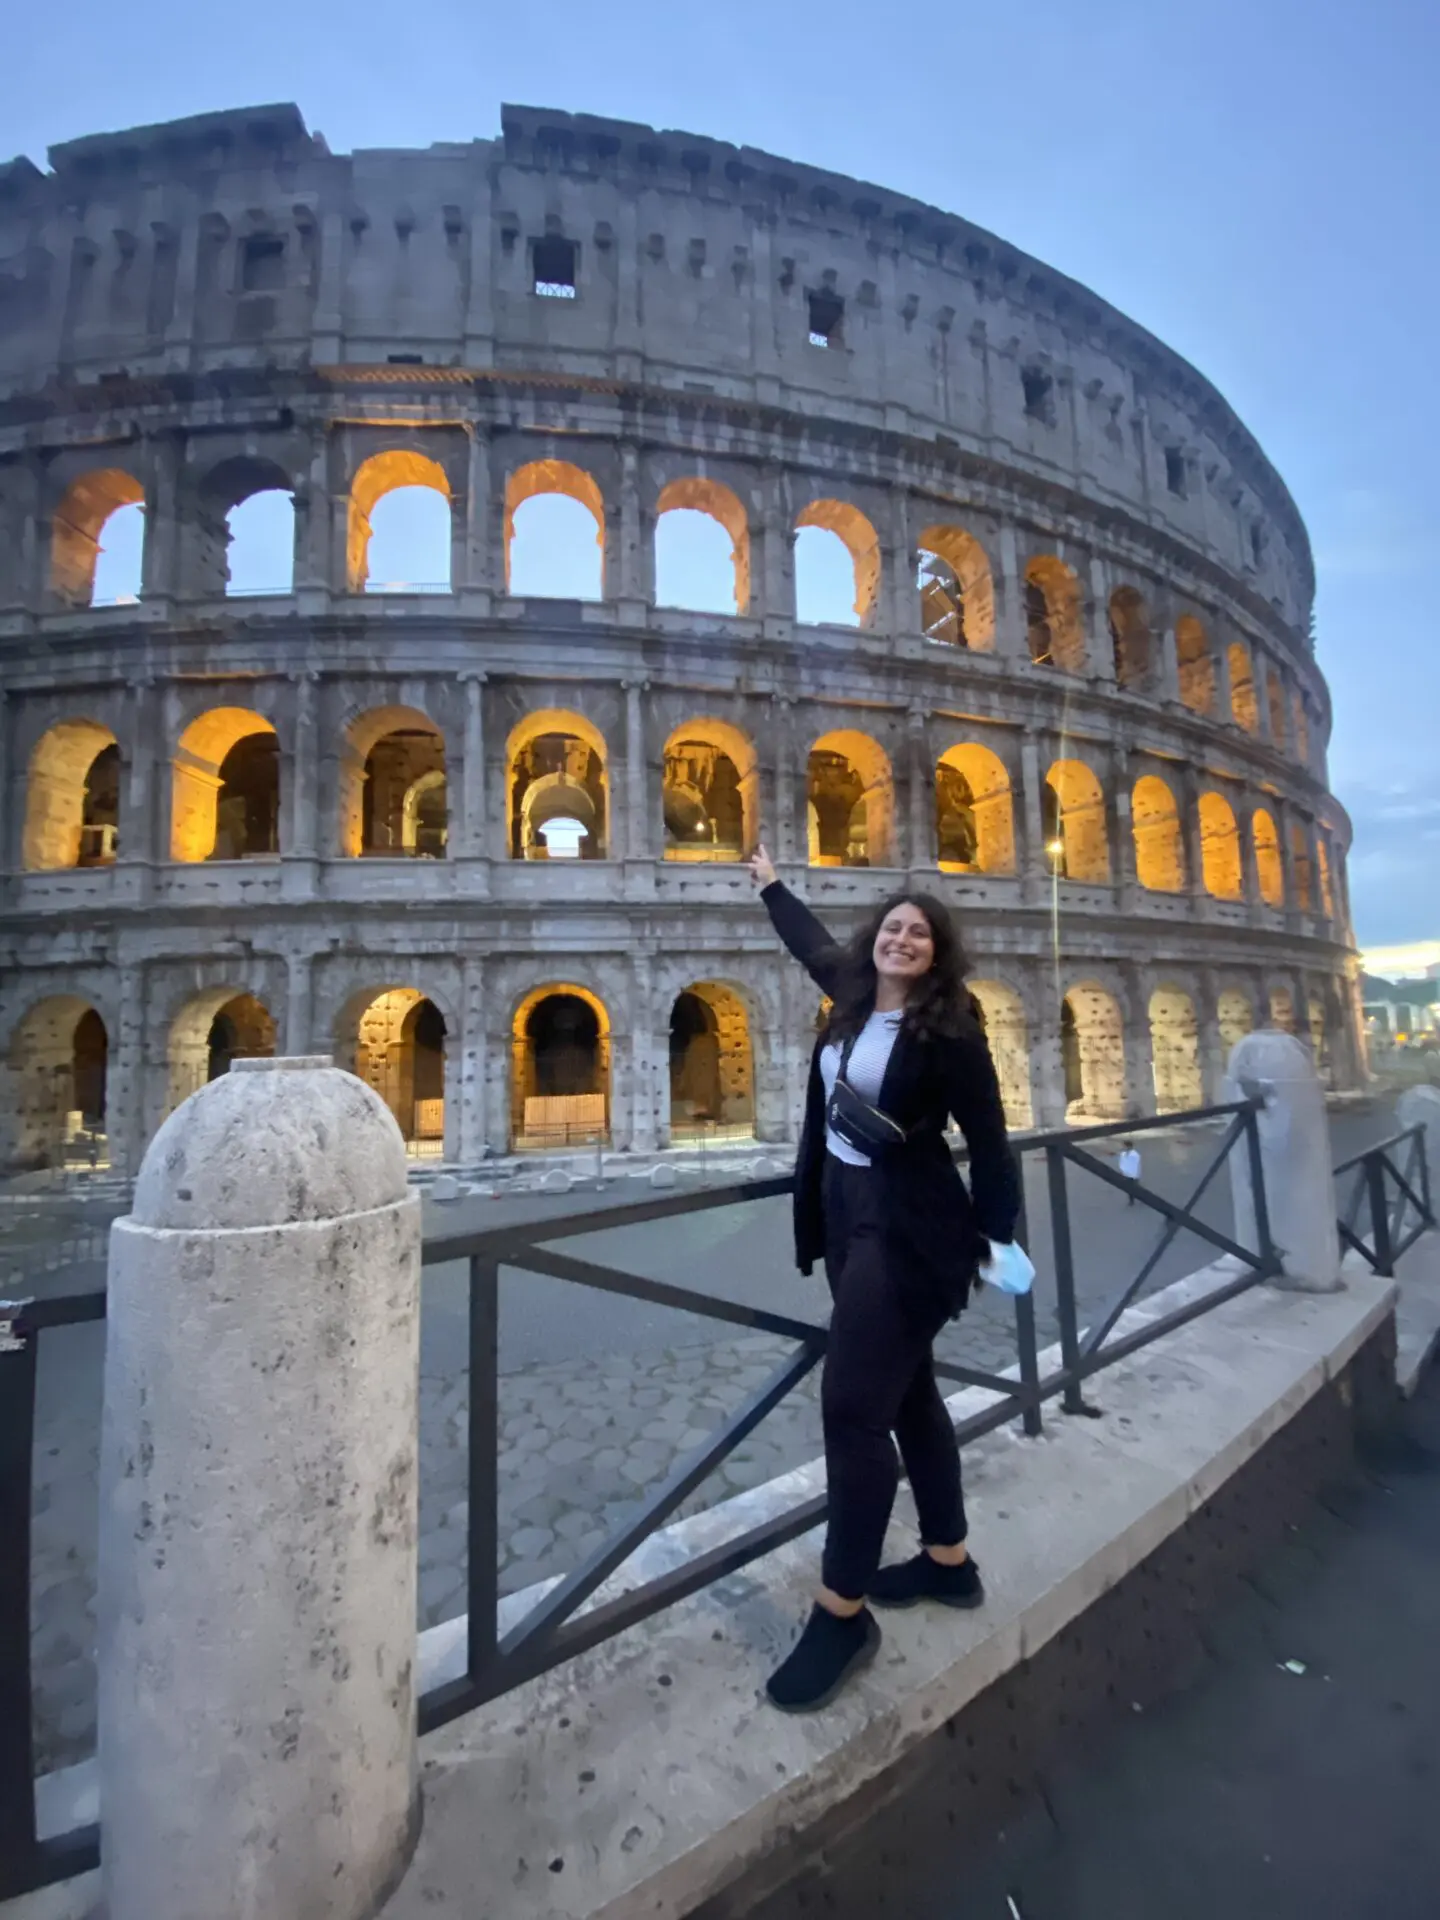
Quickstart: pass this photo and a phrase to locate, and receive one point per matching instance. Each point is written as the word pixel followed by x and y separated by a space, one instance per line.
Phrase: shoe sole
pixel 958 1603
pixel 862 1658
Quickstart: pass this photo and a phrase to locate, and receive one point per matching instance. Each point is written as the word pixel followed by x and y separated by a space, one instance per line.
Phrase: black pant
pixel 879 1379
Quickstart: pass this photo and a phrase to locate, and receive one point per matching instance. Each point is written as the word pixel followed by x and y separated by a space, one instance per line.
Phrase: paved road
pixel 1256 1793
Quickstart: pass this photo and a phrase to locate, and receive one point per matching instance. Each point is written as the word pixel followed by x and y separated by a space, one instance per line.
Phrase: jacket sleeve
pixel 973 1096
pixel 803 934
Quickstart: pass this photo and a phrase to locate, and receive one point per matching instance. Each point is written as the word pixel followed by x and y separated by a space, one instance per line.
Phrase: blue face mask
pixel 1008 1267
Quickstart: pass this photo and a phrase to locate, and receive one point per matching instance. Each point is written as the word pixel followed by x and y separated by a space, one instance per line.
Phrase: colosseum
pixel 485 843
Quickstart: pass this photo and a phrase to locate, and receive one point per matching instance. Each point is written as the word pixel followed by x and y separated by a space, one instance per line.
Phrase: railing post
pixel 1265 1245
pixel 17 1760
pixel 1026 1344
pixel 1073 1401
pixel 1379 1215
pixel 483 1527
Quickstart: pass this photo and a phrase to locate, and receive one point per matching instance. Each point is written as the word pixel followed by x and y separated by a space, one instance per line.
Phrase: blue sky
pixel 1258 183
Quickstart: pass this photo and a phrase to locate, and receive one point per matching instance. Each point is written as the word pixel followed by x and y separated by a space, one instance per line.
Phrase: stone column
pixel 1224 689
pixel 1260 672
pixel 1167 665
pixel 12 804
pixel 634 584
pixel 901 609
pixel 473 1061
pixel 1139 1046
pixel 636 842
pixel 125 1123
pixel 787 826
pixel 922 854
pixel 1047 1067
pixel 1194 841
pixel 1032 861
pixel 477 575
pixel 160 559
pixel 301 843
pixel 315 578
pixel 1122 827
pixel 299 1003
pixel 1295 1160
pixel 258 1480
pixel 647 1063
pixel 1011 641
pixel 470 836
pixel 1212 1042
pixel 772 556
pixel 1249 864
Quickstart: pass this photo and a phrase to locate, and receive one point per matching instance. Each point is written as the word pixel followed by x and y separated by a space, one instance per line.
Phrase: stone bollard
pixel 1295 1157
pixel 257 1612
pixel 1420 1106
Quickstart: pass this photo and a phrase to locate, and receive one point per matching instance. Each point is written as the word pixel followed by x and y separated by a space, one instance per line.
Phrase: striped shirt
pixel 869 1058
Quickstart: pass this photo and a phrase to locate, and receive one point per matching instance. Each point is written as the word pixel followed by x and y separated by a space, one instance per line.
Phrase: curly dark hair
pixel 939 1003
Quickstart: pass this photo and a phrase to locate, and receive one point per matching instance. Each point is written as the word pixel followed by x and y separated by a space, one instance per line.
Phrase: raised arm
pixel 973 1096
pixel 801 932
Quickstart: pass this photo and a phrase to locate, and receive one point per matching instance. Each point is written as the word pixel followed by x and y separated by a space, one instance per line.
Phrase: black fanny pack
pixel 856 1121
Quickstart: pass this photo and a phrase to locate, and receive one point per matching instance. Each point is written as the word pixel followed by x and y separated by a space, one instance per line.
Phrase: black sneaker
pixel 924 1578
pixel 826 1654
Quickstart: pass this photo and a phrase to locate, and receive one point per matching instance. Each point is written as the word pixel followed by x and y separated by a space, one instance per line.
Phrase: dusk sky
pixel 1253 182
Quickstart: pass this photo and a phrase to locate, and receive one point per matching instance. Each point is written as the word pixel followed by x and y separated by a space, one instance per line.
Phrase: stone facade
pixel 1079 699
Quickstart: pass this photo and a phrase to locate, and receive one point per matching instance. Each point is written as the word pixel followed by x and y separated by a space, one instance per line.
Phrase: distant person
pixel 1129 1164
pixel 879 1198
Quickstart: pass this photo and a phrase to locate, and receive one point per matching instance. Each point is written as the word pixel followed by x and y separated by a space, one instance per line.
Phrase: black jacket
pixel 934 1228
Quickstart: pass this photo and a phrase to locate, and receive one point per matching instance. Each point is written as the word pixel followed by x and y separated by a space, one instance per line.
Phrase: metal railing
pixel 556 1629
pixel 1398 1200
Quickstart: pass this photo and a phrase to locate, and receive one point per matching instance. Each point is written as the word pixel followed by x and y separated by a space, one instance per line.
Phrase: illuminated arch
pixel 383 473
pixel 1282 1009
pixel 1053 622
pixel 394 1039
pixel 1159 837
pixel 387 750
pixel 695 494
pixel 210 1030
pixel 1322 870
pixel 1194 664
pixel 76 525
pixel 1275 704
pixel 219 809
pixel 1244 705
pixel 1175 1051
pixel 1073 820
pixel 1269 866
pixel 1223 873
pixel 1235 1016
pixel 710 792
pixel 1302 728
pixel 560 1068
pixel 957 596
pixel 1130 635
pixel 68 821
pixel 556 769
pixel 861 542
pixel 1300 867
pixel 1008 1034
pixel 1092 1052
pixel 850 802
pixel 572 483
pixel 712 1066
pixel 57 1063
pixel 974 811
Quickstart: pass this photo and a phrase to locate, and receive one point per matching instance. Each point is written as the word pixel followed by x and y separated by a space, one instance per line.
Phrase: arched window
pixel 56 1086
pixel 398 1038
pixel 1007 1033
pixel 1275 701
pixel 554 533
pixel 558 789
pixel 820 574
pixel 1282 1009
pixel 400 528
pixel 1052 615
pixel 1130 635
pixel 702 548
pixel 225 791
pixel 1244 706
pixel 97 534
pixel 1073 822
pixel 850 802
pixel 393 791
pixel 560 1079
pixel 957 595
pixel 1220 848
pixel 712 1070
pixel 1268 865
pixel 242 530
pixel 1300 866
pixel 1159 840
pixel 212 1029
pixel 72 798
pixel 1236 1017
pixel 1175 1051
pixel 974 814
pixel 1302 729
pixel 709 793
pixel 1092 1052
pixel 1194 664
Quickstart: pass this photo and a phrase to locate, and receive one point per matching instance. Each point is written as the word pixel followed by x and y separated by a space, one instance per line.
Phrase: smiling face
pixel 904 949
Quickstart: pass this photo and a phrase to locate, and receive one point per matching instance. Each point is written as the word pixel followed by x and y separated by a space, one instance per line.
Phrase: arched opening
pixel 560 1081
pixel 1072 813
pixel 819 571
pixel 712 1070
pixel 1220 848
pixel 1003 1014
pixel 210 1031
pixel 393 793
pixel 72 798
pixel 850 802
pixel 1302 729
pixel 1244 706
pixel 1159 840
pixel 1053 623
pixel 1194 664
pixel 1269 867
pixel 1319 1038
pixel 1092 1052
pixel 1282 1009
pixel 225 795
pixel 554 533
pixel 1275 702
pixel 558 789
pixel 400 1052
pixel 1322 870
pixel 1130 635
pixel 1175 1051
pixel 709 795
pixel 1300 867
pixel 55 1098
pixel 974 813
pixel 702 548
pixel 400 525
pixel 1235 1017
pixel 242 534
pixel 957 594
pixel 87 570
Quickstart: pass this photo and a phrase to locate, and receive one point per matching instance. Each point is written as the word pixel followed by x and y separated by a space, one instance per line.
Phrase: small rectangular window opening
pixel 1175 470
pixel 405 359
pixel 1257 543
pixel 552 262
pixel 262 263
pixel 1039 389
pixel 827 314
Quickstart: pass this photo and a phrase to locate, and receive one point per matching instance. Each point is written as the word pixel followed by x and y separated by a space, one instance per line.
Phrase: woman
pixel 878 1196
